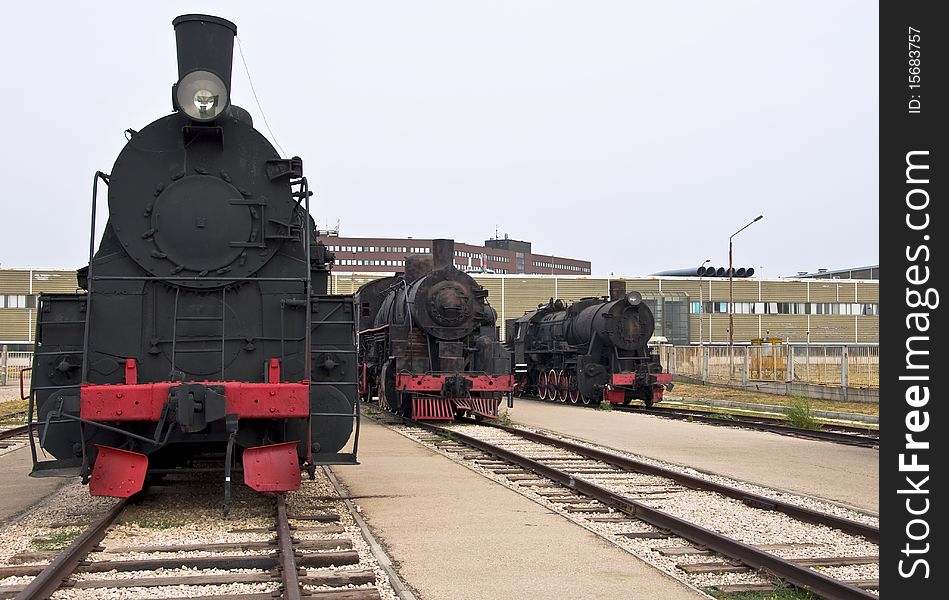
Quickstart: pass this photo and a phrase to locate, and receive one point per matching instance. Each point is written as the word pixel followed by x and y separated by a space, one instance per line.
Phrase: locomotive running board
pixel 334 458
pixel 62 467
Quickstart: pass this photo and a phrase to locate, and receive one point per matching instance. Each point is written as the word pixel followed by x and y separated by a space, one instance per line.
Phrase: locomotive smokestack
pixel 443 253
pixel 206 43
pixel 617 289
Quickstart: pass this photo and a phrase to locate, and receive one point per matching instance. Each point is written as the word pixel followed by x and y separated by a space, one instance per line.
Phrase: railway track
pixel 839 434
pixel 13 438
pixel 274 548
pixel 693 527
pixel 12 432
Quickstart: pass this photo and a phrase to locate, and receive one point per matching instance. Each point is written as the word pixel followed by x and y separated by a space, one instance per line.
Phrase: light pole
pixel 701 301
pixel 731 303
pixel 702 364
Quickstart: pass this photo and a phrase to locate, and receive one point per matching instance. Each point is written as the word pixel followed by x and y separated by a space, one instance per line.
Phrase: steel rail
pixel 52 577
pixel 751 499
pixel 858 438
pixel 802 577
pixel 753 417
pixel 14 431
pixel 286 553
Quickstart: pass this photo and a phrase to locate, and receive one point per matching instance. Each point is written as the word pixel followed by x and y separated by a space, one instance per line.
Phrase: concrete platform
pixel 18 491
pixel 845 474
pixel 454 534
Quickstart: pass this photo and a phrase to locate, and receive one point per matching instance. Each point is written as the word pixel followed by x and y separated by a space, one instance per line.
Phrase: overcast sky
pixel 637 135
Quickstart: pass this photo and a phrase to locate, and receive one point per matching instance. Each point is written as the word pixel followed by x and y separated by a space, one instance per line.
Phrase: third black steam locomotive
pixel 590 351
pixel 428 341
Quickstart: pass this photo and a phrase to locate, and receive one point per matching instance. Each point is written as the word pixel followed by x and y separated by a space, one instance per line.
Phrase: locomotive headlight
pixel 201 95
pixel 634 298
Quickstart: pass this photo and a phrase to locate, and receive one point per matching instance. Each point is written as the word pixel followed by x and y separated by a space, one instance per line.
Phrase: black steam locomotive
pixel 428 342
pixel 593 350
pixel 205 329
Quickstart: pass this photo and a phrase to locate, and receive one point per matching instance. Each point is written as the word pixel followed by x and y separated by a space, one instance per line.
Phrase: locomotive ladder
pixel 628 363
pixel 178 319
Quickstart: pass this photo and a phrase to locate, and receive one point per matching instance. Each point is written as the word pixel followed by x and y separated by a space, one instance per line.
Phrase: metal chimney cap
pixel 205 19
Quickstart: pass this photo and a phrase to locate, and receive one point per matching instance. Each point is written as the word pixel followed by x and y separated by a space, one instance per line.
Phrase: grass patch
pixel 722 416
pixel 800 415
pixel 154 523
pixel 447 436
pixel 605 405
pixel 13 411
pixel 692 392
pixel 58 540
pixel 504 418
pixel 779 593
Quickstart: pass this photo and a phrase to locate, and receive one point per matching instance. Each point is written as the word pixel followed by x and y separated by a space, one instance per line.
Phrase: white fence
pixel 11 363
pixel 854 366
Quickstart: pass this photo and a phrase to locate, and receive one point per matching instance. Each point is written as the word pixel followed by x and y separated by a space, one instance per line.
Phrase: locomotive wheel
pixel 542 385
pixel 565 386
pixel 648 399
pixel 387 391
pixel 554 392
pixel 573 391
pixel 563 389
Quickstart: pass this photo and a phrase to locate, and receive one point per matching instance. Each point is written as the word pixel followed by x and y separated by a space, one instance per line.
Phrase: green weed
pixel 58 540
pixel 780 592
pixel 155 523
pixel 799 414
pixel 504 418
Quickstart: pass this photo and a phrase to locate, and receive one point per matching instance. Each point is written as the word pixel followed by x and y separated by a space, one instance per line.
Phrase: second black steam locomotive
pixel 428 341
pixel 593 350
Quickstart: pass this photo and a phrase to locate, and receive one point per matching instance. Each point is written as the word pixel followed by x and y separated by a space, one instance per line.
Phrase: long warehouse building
pixel 797 310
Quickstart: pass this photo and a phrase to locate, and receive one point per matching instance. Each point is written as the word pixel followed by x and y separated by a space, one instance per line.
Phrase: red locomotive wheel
pixel 542 385
pixel 573 391
pixel 561 387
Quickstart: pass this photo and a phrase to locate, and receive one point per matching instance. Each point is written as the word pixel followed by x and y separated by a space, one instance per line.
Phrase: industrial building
pixel 871 272
pixel 501 255
pixel 798 310
pixel 795 310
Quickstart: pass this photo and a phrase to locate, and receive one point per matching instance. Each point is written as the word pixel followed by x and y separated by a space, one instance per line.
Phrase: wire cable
pixel 240 49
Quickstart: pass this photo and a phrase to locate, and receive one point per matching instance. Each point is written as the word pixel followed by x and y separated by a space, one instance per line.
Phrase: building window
pixel 17 301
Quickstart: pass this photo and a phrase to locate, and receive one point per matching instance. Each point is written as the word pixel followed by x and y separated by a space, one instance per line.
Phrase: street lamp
pixel 731 303
pixel 701 302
